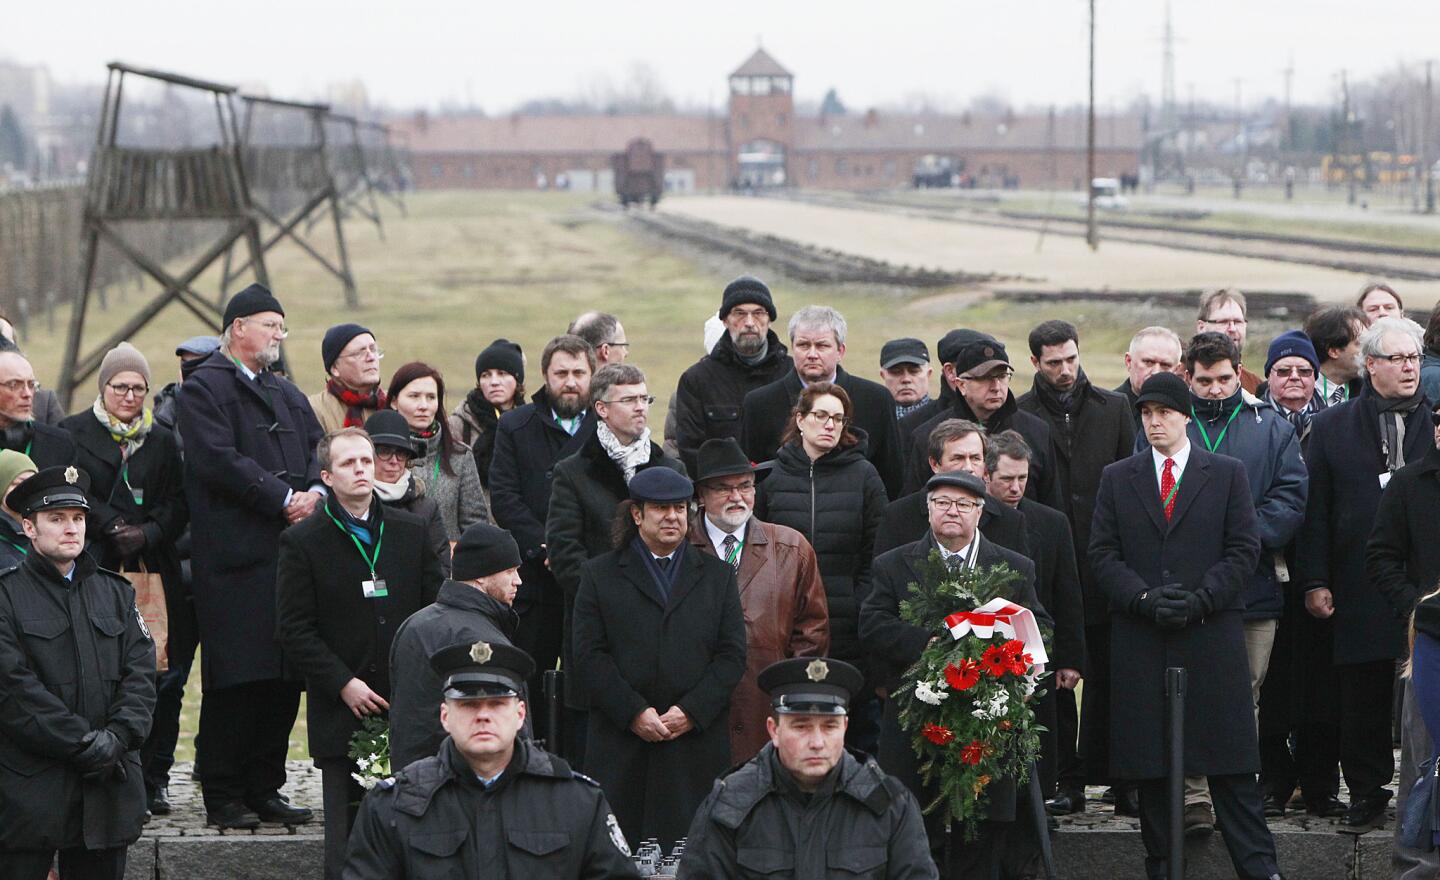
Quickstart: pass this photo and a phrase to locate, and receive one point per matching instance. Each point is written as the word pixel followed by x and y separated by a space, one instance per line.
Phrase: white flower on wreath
pixel 927 694
pixel 1030 683
pixel 993 708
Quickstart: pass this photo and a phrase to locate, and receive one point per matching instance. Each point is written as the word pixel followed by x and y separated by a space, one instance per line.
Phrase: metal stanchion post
pixel 554 706
pixel 1175 704
pixel 1042 821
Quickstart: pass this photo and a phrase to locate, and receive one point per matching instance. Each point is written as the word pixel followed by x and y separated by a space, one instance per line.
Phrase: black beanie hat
pixel 746 289
pixel 336 338
pixel 502 354
pixel 482 550
pixel 1166 389
pixel 252 300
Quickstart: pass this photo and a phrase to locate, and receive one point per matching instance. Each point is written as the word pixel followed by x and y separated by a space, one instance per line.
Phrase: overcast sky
pixel 423 53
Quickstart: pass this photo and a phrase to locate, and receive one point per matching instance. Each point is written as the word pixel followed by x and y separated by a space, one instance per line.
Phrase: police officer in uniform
pixel 77 690
pixel 804 806
pixel 490 804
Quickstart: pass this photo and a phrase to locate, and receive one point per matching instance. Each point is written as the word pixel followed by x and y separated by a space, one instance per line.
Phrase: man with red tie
pixel 1173 544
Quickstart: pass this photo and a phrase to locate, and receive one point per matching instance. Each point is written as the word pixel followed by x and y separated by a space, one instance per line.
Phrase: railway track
pixel 1394 262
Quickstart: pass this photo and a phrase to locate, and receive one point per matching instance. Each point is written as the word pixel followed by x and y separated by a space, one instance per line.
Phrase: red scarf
pixel 356 402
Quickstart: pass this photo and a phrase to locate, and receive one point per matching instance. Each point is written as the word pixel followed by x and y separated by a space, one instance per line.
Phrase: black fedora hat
pixel 721 457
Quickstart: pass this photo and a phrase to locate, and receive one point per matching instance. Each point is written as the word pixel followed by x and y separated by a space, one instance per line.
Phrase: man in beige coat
pixel 780 589
pixel 352 390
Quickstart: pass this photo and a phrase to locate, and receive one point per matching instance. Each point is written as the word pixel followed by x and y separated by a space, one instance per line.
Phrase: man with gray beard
pixel 786 614
pixel 748 356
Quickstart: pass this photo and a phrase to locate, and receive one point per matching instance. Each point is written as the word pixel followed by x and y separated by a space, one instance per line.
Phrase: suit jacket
pixel 1057 582
pixel 783 600
pixel 1208 546
pixel 765 410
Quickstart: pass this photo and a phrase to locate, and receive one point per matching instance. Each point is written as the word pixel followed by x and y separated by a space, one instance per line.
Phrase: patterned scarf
pixel 629 457
pixel 356 402
pixel 130 435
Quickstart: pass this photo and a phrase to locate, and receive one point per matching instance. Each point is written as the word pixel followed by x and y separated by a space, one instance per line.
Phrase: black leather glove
pixel 1200 604
pixel 100 752
pixel 1172 610
pixel 1144 604
pixel 127 540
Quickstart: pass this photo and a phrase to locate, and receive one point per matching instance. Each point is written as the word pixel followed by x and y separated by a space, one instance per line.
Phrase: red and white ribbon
pixel 1006 618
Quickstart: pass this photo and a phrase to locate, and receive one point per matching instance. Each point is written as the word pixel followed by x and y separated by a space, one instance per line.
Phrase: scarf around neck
pixel 628 457
pixel 392 492
pixel 1392 426
pixel 130 435
pixel 1063 402
pixel 356 401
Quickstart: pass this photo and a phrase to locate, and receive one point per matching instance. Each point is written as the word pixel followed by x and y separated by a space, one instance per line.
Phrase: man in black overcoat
pixel 250 471
pixel 747 356
pixel 1354 449
pixel 659 647
pixel 953 445
pixel 1173 544
pixel 817 346
pixel 954 500
pixel 77 671
pixel 529 441
pixel 347 577
pixel 20 429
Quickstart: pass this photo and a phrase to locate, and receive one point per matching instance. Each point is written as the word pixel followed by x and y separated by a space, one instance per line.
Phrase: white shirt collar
pixel 967 553
pixel 717 535
pixel 1180 458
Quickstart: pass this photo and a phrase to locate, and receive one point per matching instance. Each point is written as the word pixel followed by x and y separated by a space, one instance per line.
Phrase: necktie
pixel 1167 488
pixel 956 561
pixel 728 546
pixel 1337 396
pixel 663 562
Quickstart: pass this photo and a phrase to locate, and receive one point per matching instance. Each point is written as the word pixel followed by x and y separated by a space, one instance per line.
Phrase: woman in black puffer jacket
pixel 822 486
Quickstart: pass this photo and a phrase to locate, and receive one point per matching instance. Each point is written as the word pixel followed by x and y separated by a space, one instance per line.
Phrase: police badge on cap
pixel 472 670
pixel 811 685
pixel 51 489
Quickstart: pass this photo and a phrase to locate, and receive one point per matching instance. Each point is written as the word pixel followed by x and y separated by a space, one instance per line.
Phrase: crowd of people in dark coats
pixel 1267 530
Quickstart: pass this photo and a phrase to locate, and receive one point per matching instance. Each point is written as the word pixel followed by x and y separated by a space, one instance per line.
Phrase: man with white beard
pixel 779 581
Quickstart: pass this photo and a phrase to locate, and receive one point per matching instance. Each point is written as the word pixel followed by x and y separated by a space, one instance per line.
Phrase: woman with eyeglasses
pixel 499 388
pixel 446 467
pixel 822 486
pixel 137 513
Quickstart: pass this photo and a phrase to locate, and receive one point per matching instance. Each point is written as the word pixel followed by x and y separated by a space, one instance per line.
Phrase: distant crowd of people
pixel 723 606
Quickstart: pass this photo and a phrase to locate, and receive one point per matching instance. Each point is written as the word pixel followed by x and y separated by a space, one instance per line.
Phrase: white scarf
pixel 628 457
pixel 391 492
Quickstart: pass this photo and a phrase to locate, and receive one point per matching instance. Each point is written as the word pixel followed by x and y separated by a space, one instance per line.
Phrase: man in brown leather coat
pixel 775 569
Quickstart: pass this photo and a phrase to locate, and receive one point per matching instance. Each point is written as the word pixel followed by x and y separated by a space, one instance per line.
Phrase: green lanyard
pixel 1173 489
pixel 1325 389
pixel 24 551
pixel 1206 437
pixel 735 552
pixel 435 470
pixel 370 559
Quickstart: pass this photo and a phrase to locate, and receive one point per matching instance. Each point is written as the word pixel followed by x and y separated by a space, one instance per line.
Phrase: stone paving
pixel 302 787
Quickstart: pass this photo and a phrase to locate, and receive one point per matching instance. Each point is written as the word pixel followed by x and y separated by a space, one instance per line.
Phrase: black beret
pixel 661 485
pixel 958 479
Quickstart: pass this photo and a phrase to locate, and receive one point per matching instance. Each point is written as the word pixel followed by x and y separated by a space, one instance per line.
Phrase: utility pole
pixel 1346 138
pixel 1425 135
pixel 1092 234
pixel 1289 72
pixel 1242 143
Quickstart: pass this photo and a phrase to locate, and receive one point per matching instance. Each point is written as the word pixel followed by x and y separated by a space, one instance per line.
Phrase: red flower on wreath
pixel 995 661
pixel 963 677
pixel 972 753
pixel 1017 662
pixel 937 734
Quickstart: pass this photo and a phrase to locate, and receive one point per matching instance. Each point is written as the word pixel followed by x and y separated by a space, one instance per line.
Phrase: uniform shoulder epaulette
pixel 385 784
pixel 9 569
pixel 583 778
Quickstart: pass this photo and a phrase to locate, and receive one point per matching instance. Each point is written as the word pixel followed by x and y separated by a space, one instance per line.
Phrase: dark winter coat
pixel 14 546
pixel 836 502
pixel 1402 557
pixel 1209 545
pixel 712 390
pixel 1130 395
pixel 636 650
pixel 540 821
pixel 1044 485
pixel 158 472
pixel 1265 442
pixel 896 645
pixel 329 631
pixel 529 442
pixel 47 445
pixel 460 613
pixel 1099 433
pixel 74 657
pixel 1057 582
pixel 757 824
pixel 1345 461
pixel 908 519
pixel 424 508
pixel 768 408
pixel 248 444
pixel 476 429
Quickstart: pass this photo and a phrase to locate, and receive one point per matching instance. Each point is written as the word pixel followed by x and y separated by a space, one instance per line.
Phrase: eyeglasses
pixel 1227 322
pixel 820 417
pixel 744 488
pixel 15 386
pixel 386 453
pixel 275 327
pixel 618 344
pixel 123 391
pixel 1401 360
pixel 633 400
pixel 959 505
pixel 374 351
pixel 998 376
pixel 1302 372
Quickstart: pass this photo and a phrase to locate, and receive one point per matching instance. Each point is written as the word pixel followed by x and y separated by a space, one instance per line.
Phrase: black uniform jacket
pixel 47 445
pixel 435 819
pixel 74 657
pixel 1210 545
pixel 460 613
pixel 858 823
pixel 330 632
